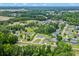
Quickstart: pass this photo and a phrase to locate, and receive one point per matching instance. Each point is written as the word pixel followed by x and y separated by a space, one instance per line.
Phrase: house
pixel 65 39
pixel 74 41
pixel 77 27
pixel 54 39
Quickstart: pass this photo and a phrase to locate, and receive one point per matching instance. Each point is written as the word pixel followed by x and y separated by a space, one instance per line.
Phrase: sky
pixel 39 1
pixel 39 4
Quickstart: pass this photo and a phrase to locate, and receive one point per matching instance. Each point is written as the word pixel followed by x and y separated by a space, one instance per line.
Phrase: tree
pixel 8 38
pixel 7 49
pixel 59 37
pixel 47 28
pixel 63 48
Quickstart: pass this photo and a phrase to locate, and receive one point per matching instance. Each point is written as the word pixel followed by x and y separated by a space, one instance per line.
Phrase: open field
pixel 5 18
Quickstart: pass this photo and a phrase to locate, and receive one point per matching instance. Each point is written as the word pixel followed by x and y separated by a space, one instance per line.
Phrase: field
pixel 5 18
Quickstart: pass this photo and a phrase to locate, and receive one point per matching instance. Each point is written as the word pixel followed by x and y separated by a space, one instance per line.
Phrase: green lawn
pixel 75 46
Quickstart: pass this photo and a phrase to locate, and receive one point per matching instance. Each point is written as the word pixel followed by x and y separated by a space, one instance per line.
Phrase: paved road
pixel 27 43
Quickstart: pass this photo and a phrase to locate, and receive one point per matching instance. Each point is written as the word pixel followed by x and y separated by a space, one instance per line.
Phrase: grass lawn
pixel 75 46
pixel 37 41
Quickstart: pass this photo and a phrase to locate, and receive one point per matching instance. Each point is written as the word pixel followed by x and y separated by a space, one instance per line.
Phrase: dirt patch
pixel 5 18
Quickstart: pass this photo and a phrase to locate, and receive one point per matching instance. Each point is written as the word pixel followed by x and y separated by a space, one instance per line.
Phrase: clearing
pixel 5 18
